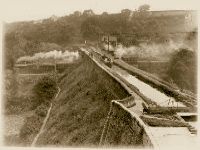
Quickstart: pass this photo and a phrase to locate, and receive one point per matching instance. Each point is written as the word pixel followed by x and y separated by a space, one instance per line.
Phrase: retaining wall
pixel 124 128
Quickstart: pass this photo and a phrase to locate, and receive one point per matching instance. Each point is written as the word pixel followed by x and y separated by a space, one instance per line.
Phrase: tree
pixel 144 8
pixel 126 12
pixel 104 13
pixel 45 89
pixel 88 13
pixel 143 11
pixel 77 14
pixel 90 28
pixel 182 69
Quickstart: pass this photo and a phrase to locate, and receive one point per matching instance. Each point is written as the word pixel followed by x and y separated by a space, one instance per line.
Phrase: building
pixel 112 40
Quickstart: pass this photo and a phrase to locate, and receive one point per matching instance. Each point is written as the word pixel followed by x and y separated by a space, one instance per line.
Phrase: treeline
pixel 131 27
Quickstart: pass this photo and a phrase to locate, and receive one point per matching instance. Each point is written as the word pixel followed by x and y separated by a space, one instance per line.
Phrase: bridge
pixel 154 113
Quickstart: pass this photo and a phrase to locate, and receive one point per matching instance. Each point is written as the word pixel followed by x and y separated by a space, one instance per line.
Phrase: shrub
pixel 45 89
pixel 183 69
pixel 41 110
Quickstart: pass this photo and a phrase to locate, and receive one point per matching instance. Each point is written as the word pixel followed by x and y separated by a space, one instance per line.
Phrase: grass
pixel 44 90
pixel 79 112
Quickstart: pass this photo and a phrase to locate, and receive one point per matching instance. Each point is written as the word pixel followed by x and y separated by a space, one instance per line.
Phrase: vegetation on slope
pixel 44 91
pixel 183 69
pixel 27 97
pixel 79 112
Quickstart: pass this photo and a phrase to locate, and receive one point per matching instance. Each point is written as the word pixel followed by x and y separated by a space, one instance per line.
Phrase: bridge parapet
pixel 125 128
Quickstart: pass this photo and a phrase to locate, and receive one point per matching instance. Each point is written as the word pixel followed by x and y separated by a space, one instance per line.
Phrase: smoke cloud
pixel 58 56
pixel 144 50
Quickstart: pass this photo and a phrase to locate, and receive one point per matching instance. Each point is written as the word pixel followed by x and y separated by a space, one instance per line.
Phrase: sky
pixel 22 10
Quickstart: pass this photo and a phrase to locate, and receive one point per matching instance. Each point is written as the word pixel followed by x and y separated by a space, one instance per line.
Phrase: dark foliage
pixel 41 110
pixel 183 69
pixel 45 89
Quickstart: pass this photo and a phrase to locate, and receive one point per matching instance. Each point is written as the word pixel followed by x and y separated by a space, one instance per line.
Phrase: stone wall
pixel 125 129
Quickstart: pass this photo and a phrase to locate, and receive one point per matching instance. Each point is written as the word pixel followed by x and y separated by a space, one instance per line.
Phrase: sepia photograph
pixel 99 74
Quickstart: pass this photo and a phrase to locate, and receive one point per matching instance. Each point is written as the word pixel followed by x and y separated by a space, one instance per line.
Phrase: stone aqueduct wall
pixel 124 128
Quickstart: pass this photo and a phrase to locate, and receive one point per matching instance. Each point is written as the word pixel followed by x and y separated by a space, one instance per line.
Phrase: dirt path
pixel 44 122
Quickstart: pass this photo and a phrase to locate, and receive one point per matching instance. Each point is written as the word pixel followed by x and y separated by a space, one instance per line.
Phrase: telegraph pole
pixel 108 42
pixel 55 70
pixel 98 40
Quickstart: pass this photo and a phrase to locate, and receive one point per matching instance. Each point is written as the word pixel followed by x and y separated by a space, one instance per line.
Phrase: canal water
pixel 147 90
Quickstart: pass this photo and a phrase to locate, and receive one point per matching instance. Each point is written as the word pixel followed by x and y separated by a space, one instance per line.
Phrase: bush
pixel 45 89
pixel 42 110
pixel 183 69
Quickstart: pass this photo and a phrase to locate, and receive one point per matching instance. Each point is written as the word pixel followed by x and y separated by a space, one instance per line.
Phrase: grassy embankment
pixel 80 111
pixel 23 110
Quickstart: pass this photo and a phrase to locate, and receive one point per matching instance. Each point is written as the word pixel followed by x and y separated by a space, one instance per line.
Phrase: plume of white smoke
pixel 58 56
pixel 144 50
pixel 25 58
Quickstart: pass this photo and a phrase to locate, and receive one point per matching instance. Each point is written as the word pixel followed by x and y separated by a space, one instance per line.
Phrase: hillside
pixel 130 27
pixel 79 112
